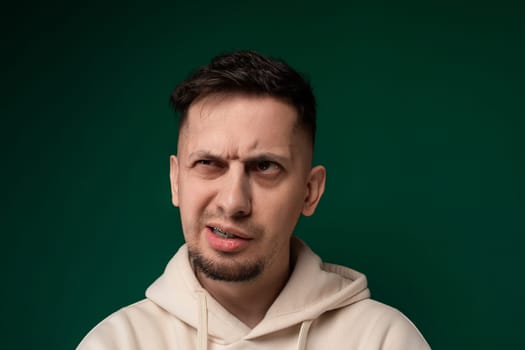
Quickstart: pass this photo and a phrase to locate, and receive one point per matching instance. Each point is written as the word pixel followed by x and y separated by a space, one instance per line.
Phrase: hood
pixel 313 288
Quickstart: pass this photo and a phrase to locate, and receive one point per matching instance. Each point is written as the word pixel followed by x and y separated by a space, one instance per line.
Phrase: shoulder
pixel 131 322
pixel 369 324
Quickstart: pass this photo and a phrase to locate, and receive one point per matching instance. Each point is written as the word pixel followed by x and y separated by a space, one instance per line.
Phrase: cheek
pixel 194 194
pixel 194 198
pixel 282 208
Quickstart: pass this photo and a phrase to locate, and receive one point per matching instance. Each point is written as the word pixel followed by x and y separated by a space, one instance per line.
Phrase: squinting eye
pixel 266 166
pixel 208 168
pixel 204 162
pixel 212 163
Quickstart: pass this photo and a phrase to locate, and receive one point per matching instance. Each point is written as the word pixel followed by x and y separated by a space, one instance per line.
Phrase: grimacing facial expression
pixel 241 178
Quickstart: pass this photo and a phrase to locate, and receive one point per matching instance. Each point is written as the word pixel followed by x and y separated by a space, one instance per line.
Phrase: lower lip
pixel 227 245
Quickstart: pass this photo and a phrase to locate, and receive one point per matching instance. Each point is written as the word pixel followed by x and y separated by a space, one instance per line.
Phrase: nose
pixel 234 195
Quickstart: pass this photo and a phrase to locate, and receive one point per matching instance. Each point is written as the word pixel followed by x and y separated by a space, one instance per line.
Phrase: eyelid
pixel 208 162
pixel 273 165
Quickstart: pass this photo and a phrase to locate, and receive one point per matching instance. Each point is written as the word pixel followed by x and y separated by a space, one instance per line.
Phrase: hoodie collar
pixel 313 288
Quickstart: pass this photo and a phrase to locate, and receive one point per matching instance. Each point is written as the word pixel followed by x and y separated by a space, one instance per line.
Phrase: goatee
pixel 230 272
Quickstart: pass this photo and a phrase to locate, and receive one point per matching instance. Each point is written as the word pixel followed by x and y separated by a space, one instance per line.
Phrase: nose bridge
pixel 234 198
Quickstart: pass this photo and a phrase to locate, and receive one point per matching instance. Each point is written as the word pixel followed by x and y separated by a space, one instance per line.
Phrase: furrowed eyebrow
pixel 266 156
pixel 253 158
pixel 205 155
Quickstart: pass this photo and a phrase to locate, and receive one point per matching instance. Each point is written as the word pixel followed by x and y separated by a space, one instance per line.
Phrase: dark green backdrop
pixel 421 128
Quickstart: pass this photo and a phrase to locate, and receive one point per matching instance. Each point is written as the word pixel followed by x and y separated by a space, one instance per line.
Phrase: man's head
pixel 249 73
pixel 243 172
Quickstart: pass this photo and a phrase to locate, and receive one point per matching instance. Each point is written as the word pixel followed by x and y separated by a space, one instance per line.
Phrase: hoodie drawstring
pixel 202 331
pixel 303 333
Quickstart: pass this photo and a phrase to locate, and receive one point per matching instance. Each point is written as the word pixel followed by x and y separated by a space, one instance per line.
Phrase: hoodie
pixel 322 306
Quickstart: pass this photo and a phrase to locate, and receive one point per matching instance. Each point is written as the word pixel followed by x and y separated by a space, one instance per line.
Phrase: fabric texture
pixel 322 306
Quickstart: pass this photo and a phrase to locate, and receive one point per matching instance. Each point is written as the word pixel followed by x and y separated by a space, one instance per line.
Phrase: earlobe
pixel 174 177
pixel 316 184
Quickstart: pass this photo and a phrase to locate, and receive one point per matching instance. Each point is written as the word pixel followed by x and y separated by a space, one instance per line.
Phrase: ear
pixel 174 178
pixel 315 189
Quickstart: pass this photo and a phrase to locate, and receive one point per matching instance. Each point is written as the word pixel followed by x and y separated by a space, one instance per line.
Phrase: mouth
pixel 223 234
pixel 223 239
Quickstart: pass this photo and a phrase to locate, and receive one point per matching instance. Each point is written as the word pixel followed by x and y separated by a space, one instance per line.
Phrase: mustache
pixel 243 224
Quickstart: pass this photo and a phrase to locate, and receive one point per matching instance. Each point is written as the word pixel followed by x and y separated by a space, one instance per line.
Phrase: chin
pixel 224 268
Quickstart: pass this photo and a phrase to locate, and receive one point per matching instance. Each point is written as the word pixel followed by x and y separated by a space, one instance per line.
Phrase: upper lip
pixel 229 229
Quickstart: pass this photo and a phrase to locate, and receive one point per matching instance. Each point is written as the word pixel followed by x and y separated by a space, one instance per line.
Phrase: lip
pixel 230 229
pixel 226 245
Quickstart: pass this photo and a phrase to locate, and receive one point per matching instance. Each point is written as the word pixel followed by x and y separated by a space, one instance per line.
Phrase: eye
pixel 208 162
pixel 208 168
pixel 266 167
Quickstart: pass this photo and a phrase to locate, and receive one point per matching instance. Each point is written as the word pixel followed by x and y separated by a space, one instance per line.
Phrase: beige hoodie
pixel 322 306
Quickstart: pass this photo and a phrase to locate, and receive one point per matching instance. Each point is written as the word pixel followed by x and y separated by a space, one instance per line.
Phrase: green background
pixel 421 128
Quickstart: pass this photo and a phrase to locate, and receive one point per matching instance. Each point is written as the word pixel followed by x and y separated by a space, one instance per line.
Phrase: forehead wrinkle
pixel 206 107
pixel 282 151
pixel 232 150
pixel 254 145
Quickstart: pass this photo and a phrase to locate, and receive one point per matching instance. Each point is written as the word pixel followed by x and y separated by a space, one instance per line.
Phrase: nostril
pixel 234 198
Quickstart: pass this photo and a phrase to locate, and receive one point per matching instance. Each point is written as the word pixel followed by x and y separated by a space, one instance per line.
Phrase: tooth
pixel 221 233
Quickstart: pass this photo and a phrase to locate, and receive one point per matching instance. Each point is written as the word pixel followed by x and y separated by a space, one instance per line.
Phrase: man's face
pixel 241 178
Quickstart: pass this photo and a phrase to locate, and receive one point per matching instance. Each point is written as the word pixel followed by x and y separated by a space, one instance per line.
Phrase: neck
pixel 248 301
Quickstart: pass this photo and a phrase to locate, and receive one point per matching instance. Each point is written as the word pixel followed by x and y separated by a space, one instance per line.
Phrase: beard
pixel 232 271
pixel 226 267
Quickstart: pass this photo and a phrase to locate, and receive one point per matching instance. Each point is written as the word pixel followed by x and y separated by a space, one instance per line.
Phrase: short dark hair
pixel 248 72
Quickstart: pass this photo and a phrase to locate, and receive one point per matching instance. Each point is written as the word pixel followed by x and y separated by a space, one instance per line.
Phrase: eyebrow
pixel 268 156
pixel 203 154
pixel 252 158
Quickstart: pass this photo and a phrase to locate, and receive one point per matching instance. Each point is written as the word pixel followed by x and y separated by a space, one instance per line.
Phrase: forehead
pixel 228 123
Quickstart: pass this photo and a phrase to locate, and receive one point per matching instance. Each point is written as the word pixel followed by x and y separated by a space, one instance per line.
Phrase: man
pixel 242 177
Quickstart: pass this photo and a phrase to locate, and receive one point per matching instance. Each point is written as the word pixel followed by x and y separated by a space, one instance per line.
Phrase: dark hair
pixel 251 73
